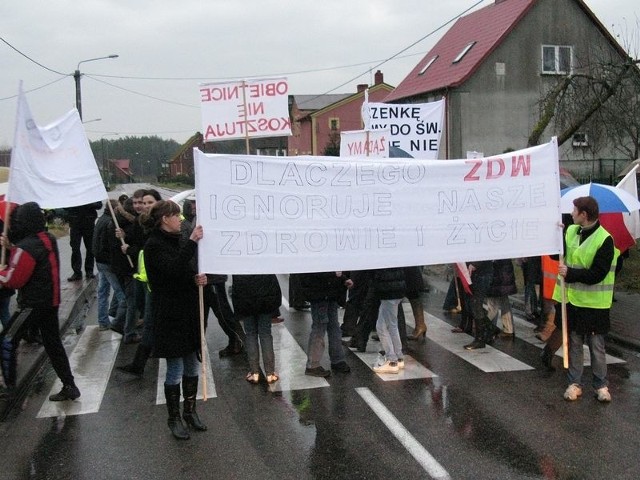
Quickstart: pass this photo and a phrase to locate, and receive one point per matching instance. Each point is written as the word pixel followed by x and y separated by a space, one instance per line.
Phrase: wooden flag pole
pixel 115 221
pixel 246 117
pixel 565 328
pixel 5 230
pixel 203 342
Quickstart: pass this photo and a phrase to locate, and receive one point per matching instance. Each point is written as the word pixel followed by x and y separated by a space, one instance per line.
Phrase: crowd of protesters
pixel 145 249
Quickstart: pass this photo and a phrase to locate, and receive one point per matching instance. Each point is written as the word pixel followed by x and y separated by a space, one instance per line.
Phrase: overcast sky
pixel 167 47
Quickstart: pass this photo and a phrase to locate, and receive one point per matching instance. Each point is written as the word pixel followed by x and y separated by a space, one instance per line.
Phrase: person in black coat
pixel 175 310
pixel 323 290
pixel 255 297
pixel 503 284
pixel 82 219
pixel 481 278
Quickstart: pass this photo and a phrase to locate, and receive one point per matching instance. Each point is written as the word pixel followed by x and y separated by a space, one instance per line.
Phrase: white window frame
pixel 464 51
pixel 427 65
pixel 557 67
pixel 580 139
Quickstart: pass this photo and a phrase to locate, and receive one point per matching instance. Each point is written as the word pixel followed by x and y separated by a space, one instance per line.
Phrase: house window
pixel 464 51
pixel 334 123
pixel 580 140
pixel 428 64
pixel 557 60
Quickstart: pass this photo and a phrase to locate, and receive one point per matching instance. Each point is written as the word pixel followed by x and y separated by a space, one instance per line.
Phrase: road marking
pixel 290 363
pixel 162 373
pixel 408 441
pixel 487 359
pixel 91 363
pixel 526 333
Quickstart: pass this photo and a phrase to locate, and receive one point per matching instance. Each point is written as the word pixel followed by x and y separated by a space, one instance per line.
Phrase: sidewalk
pixel 76 300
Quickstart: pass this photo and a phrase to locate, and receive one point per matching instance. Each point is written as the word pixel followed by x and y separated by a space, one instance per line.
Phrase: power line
pixel 35 89
pixel 32 60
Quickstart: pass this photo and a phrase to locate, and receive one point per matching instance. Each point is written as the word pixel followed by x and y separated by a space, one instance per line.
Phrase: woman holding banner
pixel 174 305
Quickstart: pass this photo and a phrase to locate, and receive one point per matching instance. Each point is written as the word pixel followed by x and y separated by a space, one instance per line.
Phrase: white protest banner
pixel 415 128
pixel 364 143
pixel 315 214
pixel 52 165
pixel 245 109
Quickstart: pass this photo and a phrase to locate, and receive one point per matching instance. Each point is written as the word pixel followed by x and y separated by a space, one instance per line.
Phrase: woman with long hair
pixel 174 306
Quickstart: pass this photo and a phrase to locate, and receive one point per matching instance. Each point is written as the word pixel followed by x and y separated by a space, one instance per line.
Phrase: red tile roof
pixel 487 27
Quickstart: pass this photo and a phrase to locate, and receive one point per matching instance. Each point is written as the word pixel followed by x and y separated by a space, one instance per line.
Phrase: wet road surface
pixel 487 414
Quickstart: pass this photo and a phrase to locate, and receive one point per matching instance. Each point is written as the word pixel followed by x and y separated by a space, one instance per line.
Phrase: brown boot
pixel 420 331
pixel 548 327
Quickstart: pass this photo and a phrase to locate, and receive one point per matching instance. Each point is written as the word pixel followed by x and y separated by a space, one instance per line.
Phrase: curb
pixel 74 306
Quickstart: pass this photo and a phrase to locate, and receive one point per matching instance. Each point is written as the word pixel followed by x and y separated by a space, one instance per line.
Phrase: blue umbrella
pixel 610 199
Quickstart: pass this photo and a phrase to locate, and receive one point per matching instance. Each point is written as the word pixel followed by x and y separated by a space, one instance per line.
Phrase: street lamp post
pixel 76 77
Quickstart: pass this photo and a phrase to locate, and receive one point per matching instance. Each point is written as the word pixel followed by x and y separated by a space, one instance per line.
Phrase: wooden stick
pixel 246 117
pixel 203 342
pixel 565 327
pixel 115 221
pixel 455 282
pixel 5 230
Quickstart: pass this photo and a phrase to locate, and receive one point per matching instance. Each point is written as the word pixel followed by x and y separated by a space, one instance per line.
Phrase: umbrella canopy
pixel 610 199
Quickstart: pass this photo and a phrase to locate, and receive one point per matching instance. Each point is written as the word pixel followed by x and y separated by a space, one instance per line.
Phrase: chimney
pixel 362 87
pixel 378 78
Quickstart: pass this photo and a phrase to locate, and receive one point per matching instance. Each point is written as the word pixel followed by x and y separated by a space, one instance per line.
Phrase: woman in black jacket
pixel 255 297
pixel 174 307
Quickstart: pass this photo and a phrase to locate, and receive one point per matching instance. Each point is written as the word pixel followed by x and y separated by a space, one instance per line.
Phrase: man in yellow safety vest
pixel 589 272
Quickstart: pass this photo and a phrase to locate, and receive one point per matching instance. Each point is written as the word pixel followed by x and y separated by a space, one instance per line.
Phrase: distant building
pixel 317 120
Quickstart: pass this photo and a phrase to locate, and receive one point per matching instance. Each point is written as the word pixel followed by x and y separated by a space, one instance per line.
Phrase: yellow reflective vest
pixel 580 256
pixel 141 274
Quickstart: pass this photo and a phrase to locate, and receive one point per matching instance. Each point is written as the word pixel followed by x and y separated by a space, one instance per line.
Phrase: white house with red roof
pixel 493 66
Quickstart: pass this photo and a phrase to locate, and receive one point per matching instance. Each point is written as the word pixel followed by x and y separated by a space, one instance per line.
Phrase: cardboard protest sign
pixel 363 143
pixel 245 109
pixel 415 128
pixel 312 214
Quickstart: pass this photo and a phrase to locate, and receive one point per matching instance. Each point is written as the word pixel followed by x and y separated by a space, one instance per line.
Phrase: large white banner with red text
pixel 245 108
pixel 309 214
pixel 415 128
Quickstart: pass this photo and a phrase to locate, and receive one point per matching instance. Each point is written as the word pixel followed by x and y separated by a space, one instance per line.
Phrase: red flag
pixel 615 225
pixel 465 277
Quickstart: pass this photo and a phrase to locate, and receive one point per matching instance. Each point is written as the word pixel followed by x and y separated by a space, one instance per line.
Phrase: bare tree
pixel 600 97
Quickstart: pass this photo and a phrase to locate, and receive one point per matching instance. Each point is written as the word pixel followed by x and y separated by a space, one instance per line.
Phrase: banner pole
pixel 5 230
pixel 565 328
pixel 203 342
pixel 246 117
pixel 115 222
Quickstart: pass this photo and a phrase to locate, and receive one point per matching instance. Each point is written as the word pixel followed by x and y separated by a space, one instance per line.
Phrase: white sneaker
pixel 400 363
pixel 386 367
pixel 603 394
pixel 573 391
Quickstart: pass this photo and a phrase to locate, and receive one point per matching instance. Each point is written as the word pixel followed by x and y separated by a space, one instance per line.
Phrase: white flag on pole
pixel 52 165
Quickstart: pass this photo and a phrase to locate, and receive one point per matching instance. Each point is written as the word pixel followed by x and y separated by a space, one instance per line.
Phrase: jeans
pixel 178 367
pixel 598 359
pixel 324 319
pixel 108 280
pixel 259 326
pixel 387 328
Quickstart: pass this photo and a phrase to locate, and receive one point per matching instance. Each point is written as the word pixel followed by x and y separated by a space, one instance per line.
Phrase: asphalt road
pixel 489 414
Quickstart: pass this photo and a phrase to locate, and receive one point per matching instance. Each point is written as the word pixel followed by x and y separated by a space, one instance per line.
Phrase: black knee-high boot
pixel 172 394
pixel 189 391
